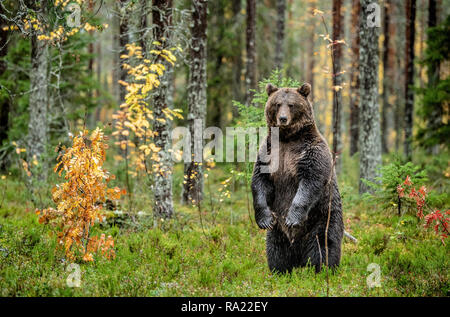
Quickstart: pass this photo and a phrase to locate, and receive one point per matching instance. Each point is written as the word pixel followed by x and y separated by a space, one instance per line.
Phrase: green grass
pixel 224 257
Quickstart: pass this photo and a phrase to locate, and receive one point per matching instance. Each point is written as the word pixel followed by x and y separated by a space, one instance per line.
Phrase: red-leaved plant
pixel 439 220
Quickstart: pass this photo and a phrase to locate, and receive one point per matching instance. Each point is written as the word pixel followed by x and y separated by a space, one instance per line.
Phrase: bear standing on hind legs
pixel 291 199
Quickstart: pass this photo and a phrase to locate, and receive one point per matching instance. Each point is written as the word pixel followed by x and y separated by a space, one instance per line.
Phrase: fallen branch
pixel 350 237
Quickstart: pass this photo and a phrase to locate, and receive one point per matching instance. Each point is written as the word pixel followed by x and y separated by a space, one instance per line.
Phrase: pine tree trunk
pixel 433 77
pixel 354 79
pixel 279 45
pixel 399 76
pixel 409 79
pixel 4 102
pixel 123 41
pixel 237 64
pixel 387 79
pixel 163 198
pixel 369 132
pixel 250 76
pixel 337 81
pixel 38 125
pixel 310 75
pixel 193 172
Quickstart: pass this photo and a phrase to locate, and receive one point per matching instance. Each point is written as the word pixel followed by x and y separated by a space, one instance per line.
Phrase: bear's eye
pixel 291 106
pixel 278 105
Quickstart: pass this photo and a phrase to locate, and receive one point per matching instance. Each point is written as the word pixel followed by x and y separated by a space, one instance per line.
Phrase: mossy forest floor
pixel 221 254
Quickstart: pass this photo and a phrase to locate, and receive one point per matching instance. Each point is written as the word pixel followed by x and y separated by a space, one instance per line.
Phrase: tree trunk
pixel 354 79
pixel 409 78
pixel 123 41
pixel 399 76
pixel 310 73
pixel 387 77
pixel 38 125
pixel 250 76
pixel 143 26
pixel 337 81
pixel 193 172
pixel 369 132
pixel 433 76
pixel 4 102
pixel 279 45
pixel 163 198
pixel 237 64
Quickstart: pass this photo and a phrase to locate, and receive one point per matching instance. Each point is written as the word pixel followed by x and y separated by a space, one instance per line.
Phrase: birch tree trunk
pixel 250 76
pixel 38 125
pixel 163 198
pixel 280 26
pixel 369 132
pixel 193 172
pixel 354 79
pixel 409 80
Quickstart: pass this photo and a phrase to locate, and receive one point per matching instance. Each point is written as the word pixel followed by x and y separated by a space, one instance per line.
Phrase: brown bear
pixel 292 200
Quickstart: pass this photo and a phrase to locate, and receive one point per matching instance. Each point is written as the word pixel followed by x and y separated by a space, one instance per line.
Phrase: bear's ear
pixel 270 89
pixel 304 90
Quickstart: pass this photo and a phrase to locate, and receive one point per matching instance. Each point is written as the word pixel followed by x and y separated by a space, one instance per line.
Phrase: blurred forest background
pixel 138 68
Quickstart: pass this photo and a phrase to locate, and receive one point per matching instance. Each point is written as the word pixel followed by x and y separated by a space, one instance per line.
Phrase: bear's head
pixel 289 109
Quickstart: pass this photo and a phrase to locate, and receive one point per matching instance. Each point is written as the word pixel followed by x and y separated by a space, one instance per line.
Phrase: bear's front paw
pixel 264 219
pixel 295 219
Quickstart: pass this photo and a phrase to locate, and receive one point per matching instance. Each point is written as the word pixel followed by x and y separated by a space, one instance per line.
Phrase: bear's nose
pixel 283 119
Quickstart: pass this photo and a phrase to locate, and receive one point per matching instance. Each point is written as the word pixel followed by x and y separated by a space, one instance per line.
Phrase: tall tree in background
pixel 409 78
pixel 388 68
pixel 4 100
pixel 354 78
pixel 369 115
pixel 433 75
pixel 337 80
pixel 237 64
pixel 39 98
pixel 250 75
pixel 311 62
pixel 280 26
pixel 123 41
pixel 193 172
pixel 163 199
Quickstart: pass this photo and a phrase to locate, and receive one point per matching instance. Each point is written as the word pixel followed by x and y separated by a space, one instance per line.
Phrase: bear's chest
pixel 285 164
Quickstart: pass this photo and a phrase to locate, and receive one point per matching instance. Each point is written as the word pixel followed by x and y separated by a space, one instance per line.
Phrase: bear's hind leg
pixel 279 252
pixel 315 253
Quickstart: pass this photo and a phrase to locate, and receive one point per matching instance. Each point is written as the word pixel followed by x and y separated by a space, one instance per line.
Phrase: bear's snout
pixel 283 117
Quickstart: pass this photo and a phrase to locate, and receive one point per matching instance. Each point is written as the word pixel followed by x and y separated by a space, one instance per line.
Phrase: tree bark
pixel 409 78
pixel 163 198
pixel 250 76
pixel 237 64
pixel 337 81
pixel 354 79
pixel 433 75
pixel 193 172
pixel 5 101
pixel 38 125
pixel 123 41
pixel 279 45
pixel 369 132
pixel 387 77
